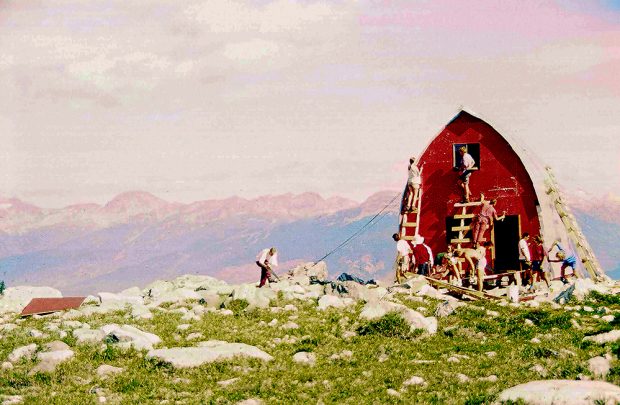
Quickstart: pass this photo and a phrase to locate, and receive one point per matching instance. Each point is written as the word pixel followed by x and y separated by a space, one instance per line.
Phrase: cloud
pixel 250 51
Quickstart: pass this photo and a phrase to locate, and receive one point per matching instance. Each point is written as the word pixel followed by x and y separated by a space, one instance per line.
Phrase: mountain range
pixel 137 237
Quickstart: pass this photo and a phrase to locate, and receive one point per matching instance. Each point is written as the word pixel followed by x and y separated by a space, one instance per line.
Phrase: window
pixel 472 148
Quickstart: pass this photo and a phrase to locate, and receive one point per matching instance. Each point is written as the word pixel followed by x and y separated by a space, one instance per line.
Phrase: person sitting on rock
pixel 265 259
pixel 403 251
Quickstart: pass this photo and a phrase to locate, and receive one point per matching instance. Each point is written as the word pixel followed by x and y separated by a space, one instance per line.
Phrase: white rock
pixel 528 322
pixel 183 326
pixel 453 360
pixel 22 352
pixel 327 301
pixel 12 399
pixel 256 297
pixel 415 380
pixel 251 401
pixel 490 354
pixel 393 393
pixel 128 335
pixel 208 352
pixel 105 370
pixel 35 333
pixel 195 336
pixel 606 337
pixel 537 368
pixel 599 366
pixel 141 312
pixel 273 322
pixel 15 299
pixel 7 327
pixel 535 340
pixel 305 358
pixel 226 383
pixel 119 300
pixel 418 321
pixel 49 360
pixel 226 312
pixel 289 325
pixel 563 392
pixel 491 378
pixel 290 307
pixel 608 318
pixel 7 365
pixel 83 335
pixel 462 378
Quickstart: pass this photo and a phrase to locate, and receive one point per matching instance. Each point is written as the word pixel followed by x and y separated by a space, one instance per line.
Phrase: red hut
pixel 499 173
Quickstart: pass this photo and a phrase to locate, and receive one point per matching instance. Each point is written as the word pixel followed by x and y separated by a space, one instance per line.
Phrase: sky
pixel 195 100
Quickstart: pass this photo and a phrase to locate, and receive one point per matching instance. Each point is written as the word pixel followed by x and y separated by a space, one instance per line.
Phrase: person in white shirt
pixel 403 252
pixel 413 185
pixel 265 259
pixel 465 169
pixel 525 257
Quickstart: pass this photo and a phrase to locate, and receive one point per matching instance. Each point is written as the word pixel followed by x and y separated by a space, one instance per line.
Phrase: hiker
pixel 265 259
pixel 538 257
pixel 561 257
pixel 422 255
pixel 401 265
pixel 525 258
pixel 465 169
pixel 413 186
pixel 484 219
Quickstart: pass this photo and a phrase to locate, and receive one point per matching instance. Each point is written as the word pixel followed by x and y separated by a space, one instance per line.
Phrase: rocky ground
pixel 199 340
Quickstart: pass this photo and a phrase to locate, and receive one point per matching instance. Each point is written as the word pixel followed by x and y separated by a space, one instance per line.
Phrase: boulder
pixel 307 270
pixel 210 299
pixel 603 338
pixel 376 310
pixel 599 366
pixel 105 370
pixel 48 361
pixel 107 298
pixel 83 335
pixel 256 297
pixel 307 358
pixel 584 285
pixel 176 295
pixel 141 312
pixel 207 352
pixel 127 336
pixel 21 352
pixel 563 392
pixel 16 298
pixel 418 321
pixel 327 301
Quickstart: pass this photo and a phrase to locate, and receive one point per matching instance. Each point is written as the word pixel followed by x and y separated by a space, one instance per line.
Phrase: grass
pixel 469 334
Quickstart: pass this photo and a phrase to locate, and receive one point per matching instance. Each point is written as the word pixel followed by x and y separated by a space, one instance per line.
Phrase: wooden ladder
pixel 462 229
pixel 584 251
pixel 411 220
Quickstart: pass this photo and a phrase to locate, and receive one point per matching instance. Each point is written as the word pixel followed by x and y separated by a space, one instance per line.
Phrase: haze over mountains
pixel 136 238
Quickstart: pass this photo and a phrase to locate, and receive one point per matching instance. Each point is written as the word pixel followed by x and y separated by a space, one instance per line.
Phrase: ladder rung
pixel 407 237
pixel 466 240
pixel 461 228
pixel 469 204
pixel 463 216
pixel 410 224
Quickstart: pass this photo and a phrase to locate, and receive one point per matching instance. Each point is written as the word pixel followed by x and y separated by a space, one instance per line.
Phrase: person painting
pixel 401 265
pixel 566 260
pixel 465 169
pixel 484 219
pixel 413 186
pixel 265 259
pixel 538 257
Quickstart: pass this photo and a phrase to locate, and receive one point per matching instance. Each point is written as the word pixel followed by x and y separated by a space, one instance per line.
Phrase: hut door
pixel 506 239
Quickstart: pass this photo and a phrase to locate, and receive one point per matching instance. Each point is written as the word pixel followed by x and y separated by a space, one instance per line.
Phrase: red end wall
pixel 502 175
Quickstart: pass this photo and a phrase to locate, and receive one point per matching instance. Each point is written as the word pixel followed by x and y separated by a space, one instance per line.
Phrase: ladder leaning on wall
pixel 583 249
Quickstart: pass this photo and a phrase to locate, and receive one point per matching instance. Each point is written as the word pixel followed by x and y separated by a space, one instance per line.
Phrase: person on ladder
pixel 465 169
pixel 413 186
pixel 484 219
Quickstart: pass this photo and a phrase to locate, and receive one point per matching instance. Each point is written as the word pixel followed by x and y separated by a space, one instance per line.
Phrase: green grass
pixel 469 333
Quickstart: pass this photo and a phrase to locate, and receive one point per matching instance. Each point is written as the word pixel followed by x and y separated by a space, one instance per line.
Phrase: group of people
pixel 532 255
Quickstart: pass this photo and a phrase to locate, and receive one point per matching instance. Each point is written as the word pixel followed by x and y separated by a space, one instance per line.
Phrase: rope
pixel 361 230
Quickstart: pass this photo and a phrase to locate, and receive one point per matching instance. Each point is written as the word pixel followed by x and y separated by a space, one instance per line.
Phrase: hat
pixel 418 239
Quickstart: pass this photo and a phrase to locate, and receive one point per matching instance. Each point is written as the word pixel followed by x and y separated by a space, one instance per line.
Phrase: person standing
pixel 421 255
pixel 484 219
pixel 265 259
pixel 413 185
pixel 403 251
pixel 538 257
pixel 525 257
pixel 465 169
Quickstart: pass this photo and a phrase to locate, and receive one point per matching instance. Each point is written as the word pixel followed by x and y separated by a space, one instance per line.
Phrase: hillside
pixel 196 339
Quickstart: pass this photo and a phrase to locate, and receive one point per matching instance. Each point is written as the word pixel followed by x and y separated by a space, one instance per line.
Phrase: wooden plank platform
pixel 463 216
